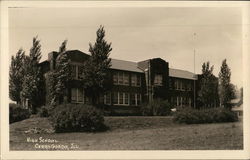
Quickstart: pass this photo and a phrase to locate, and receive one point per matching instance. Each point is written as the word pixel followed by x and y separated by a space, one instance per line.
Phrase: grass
pixel 133 133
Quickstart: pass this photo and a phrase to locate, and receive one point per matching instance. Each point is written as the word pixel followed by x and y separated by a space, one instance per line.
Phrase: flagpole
pixel 194 73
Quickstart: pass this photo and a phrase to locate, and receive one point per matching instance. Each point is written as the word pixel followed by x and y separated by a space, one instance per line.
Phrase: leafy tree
pixel 31 86
pixel 95 70
pixel 16 75
pixel 227 91
pixel 208 93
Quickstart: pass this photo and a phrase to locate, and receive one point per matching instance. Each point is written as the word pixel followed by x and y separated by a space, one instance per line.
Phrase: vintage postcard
pixel 124 80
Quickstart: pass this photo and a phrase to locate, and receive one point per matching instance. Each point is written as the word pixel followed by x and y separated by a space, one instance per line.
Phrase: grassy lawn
pixel 131 133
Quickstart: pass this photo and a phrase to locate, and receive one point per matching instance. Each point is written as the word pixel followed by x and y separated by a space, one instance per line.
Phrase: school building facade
pixel 133 83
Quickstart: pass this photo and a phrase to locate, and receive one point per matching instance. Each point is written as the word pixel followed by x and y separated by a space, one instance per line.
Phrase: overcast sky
pixel 137 33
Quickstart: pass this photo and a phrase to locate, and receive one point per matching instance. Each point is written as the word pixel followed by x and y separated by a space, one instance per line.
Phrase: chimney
pixel 52 59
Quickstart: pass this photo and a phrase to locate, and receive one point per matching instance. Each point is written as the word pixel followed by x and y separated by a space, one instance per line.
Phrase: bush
pixel 43 111
pixel 17 113
pixel 156 108
pixel 212 115
pixel 77 118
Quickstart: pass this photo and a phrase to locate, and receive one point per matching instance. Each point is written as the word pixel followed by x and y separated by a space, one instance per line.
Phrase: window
pixel 125 78
pixel 189 86
pixel 170 83
pixel 178 101
pixel 76 71
pixel 135 99
pixel 121 98
pixel 80 72
pixel 115 100
pixel 189 101
pixel 135 80
pixel 73 95
pixel 158 80
pixel 77 95
pixel 126 98
pixel 73 71
pixel 115 78
pixel 121 78
pixel 175 84
pixel 106 98
pixel 138 99
pixel 138 82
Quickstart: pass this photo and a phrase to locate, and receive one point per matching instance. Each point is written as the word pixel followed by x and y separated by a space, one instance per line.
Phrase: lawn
pixel 130 133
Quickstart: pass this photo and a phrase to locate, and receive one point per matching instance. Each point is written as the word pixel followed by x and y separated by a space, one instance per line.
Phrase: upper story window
pixel 170 83
pixel 158 80
pixel 135 80
pixel 76 71
pixel 121 78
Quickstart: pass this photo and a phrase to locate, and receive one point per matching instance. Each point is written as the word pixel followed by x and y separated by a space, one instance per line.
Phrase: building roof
pixel 125 65
pixel 182 74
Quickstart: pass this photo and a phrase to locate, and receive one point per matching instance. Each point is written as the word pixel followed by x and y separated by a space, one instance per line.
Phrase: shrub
pixel 43 111
pixel 194 116
pixel 77 118
pixel 17 113
pixel 158 107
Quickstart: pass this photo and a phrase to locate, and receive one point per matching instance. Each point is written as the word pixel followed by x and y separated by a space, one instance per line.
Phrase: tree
pixel 95 70
pixel 16 75
pixel 62 72
pixel 31 86
pixel 227 92
pixel 208 93
pixel 58 79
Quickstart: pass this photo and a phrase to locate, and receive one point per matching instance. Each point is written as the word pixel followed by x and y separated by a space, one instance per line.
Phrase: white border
pixel 225 154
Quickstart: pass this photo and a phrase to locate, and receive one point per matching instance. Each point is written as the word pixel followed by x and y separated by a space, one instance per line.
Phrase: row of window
pixel 180 85
pixel 123 98
pixel 119 98
pixel 122 78
pixel 181 101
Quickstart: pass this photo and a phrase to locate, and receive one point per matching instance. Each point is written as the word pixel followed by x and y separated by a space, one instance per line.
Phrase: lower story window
pixel 121 98
pixel 106 98
pixel 77 95
pixel 135 99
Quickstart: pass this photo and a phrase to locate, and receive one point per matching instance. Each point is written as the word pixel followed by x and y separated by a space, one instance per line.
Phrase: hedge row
pixel 212 115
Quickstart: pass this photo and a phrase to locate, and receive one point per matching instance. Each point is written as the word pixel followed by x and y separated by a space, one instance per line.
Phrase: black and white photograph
pixel 125 78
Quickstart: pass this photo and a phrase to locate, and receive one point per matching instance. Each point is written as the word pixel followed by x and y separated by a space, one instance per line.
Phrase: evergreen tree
pixel 31 86
pixel 58 79
pixel 227 92
pixel 16 75
pixel 95 70
pixel 62 72
pixel 208 93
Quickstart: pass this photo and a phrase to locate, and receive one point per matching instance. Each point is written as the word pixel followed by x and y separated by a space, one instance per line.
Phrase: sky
pixel 137 34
